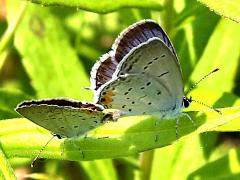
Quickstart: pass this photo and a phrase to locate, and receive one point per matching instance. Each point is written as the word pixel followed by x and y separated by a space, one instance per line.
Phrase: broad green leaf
pixel 222 52
pixel 186 159
pixel 187 156
pixel 191 35
pixel 103 6
pixel 225 8
pixel 127 136
pixel 49 58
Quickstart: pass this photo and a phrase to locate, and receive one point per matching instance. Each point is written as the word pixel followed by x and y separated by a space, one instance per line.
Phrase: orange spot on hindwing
pixel 106 98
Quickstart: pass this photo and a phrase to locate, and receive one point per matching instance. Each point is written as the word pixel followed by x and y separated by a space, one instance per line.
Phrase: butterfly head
pixel 186 101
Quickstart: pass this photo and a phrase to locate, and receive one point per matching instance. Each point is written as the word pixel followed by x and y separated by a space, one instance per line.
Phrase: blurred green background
pixel 48 51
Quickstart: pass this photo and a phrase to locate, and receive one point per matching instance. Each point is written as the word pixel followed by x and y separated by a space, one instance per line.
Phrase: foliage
pixel 49 51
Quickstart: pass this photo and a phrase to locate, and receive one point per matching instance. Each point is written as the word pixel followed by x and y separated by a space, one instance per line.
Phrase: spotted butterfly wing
pixel 63 117
pixel 137 94
pixel 155 61
pixel 130 38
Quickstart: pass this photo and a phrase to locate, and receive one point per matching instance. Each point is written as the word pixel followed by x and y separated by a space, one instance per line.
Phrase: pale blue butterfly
pixel 142 74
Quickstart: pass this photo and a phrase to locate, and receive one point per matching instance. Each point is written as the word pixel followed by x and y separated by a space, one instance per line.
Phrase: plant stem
pixel 13 24
pixel 168 15
pixel 146 159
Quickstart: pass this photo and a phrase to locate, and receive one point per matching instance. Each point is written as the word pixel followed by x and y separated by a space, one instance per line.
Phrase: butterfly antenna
pixel 204 77
pixel 34 160
pixel 210 107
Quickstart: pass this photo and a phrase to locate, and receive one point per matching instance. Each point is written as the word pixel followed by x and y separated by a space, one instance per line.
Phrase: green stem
pixel 168 15
pixel 13 24
pixel 146 159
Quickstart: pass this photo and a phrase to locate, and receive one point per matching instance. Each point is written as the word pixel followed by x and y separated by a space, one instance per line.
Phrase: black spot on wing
pixel 159 92
pixel 163 74
pixel 148 83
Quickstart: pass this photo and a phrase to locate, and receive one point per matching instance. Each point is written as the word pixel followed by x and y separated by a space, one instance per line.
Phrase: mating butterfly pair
pixel 140 75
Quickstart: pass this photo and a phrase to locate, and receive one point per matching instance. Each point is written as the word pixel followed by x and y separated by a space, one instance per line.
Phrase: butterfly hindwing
pixel 137 94
pixel 154 60
pixel 63 117
pixel 151 62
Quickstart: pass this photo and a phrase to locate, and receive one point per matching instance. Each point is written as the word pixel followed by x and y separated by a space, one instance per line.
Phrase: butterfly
pixel 141 74
pixel 64 117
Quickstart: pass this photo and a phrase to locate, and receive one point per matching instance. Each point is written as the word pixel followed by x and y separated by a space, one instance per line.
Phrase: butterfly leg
pixel 193 122
pixel 41 150
pixel 156 138
pixel 156 124
pixel 176 128
pixel 71 141
pixel 177 123
pixel 63 149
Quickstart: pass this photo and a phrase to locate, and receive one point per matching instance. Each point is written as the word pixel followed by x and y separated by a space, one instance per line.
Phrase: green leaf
pixel 225 8
pixel 6 114
pixel 13 24
pixel 216 169
pixel 6 171
pixel 127 136
pixel 188 155
pixel 104 6
pixel 222 51
pixel 50 60
pixel 9 100
pixel 186 159
pixel 192 33
pixel 103 169
pixel 182 159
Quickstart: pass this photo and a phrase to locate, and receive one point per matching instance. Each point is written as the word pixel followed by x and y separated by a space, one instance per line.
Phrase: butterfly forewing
pixel 130 38
pixel 102 71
